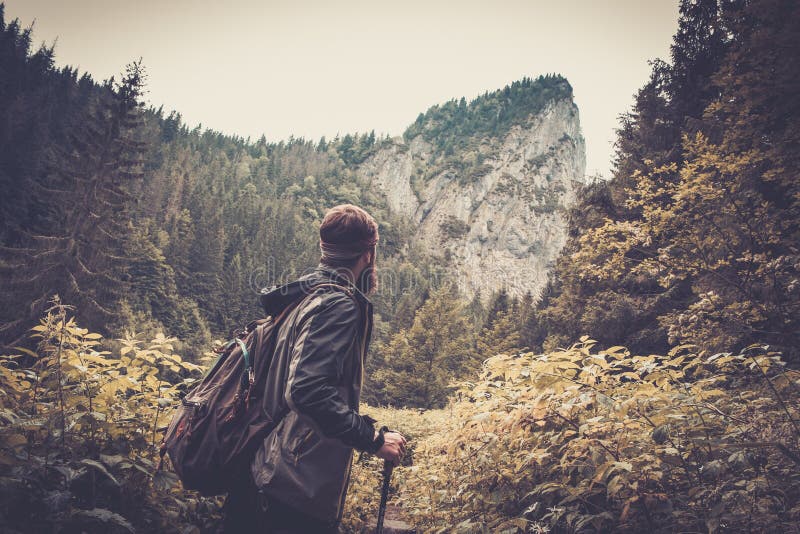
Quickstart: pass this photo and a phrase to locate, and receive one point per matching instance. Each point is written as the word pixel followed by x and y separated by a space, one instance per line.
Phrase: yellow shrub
pixel 574 441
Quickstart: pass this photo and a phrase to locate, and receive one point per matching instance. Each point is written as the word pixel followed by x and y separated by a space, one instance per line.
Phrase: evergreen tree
pixel 419 364
pixel 501 337
pixel 694 239
pixel 623 305
pixel 498 304
pixel 85 258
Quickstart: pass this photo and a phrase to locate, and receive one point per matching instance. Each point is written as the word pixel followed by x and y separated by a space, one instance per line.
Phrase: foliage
pixel 577 441
pixel 451 126
pixel 174 228
pixel 85 191
pixel 417 365
pixel 79 432
pixel 696 237
pixel 720 233
pixel 453 228
pixel 567 441
pixel 363 496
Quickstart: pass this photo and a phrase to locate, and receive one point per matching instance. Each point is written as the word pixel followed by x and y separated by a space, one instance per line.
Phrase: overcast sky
pixel 313 68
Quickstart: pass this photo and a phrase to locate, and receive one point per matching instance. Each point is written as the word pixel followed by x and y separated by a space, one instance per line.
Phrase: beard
pixel 367 281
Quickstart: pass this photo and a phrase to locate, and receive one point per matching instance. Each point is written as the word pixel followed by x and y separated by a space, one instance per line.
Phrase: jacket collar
pixel 274 299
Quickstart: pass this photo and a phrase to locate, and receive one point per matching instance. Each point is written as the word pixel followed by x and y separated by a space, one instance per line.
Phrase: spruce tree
pixel 501 337
pixel 420 363
pixel 84 259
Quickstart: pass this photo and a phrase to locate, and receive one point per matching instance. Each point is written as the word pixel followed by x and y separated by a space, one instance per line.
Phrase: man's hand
pixel 393 449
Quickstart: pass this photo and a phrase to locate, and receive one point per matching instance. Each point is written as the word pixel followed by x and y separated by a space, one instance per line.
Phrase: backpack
pixel 220 423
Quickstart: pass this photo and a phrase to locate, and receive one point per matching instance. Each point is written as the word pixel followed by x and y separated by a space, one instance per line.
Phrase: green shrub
pixel 79 433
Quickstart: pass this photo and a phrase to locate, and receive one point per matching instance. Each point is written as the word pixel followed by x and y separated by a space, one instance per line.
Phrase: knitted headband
pixel 337 252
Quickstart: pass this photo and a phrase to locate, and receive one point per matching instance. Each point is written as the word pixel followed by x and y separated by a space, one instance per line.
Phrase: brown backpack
pixel 220 422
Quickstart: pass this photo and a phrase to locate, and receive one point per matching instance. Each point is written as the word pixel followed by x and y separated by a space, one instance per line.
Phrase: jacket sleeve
pixel 322 343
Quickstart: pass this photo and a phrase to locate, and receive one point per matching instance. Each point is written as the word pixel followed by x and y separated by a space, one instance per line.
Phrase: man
pixel 301 471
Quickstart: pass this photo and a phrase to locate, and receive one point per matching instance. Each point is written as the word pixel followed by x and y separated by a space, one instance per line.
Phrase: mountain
pixel 485 196
pixel 196 222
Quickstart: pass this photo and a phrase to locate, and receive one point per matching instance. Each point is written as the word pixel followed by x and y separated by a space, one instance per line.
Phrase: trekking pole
pixel 387 476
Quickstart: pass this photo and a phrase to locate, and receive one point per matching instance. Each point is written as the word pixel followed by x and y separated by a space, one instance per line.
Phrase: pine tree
pixel 502 337
pixel 421 362
pixel 620 301
pixel 84 259
pixel 499 304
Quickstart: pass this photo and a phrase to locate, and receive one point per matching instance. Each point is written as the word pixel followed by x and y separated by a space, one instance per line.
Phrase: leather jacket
pixel 313 389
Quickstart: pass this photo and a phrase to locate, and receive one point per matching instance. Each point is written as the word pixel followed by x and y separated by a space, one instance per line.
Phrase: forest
pixel 652 386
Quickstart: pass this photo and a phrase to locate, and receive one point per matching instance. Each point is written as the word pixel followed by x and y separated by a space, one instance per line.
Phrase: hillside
pixel 188 225
pixel 201 221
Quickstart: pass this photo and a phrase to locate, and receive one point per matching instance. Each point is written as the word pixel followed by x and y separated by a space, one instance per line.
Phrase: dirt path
pixel 393 522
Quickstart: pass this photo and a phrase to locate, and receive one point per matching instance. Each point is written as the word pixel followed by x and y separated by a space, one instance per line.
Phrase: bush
pixel 576 441
pixel 568 441
pixel 453 227
pixel 79 429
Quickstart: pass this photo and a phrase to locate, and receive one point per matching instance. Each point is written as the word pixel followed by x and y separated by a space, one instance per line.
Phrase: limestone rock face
pixel 500 220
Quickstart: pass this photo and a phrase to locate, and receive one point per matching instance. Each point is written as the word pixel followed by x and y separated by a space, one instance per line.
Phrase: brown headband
pixel 338 252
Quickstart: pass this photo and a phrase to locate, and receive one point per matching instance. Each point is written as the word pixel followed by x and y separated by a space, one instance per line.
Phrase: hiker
pixel 300 472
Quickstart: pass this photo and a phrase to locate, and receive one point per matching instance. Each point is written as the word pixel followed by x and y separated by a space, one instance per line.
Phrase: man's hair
pixel 346 232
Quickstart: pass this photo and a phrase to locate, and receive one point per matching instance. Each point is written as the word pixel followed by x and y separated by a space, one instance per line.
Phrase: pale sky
pixel 312 68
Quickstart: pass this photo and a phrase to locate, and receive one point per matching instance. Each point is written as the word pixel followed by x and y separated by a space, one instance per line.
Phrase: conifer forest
pixel 653 385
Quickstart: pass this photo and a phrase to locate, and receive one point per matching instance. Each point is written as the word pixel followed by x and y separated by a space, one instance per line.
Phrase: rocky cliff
pixel 493 207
